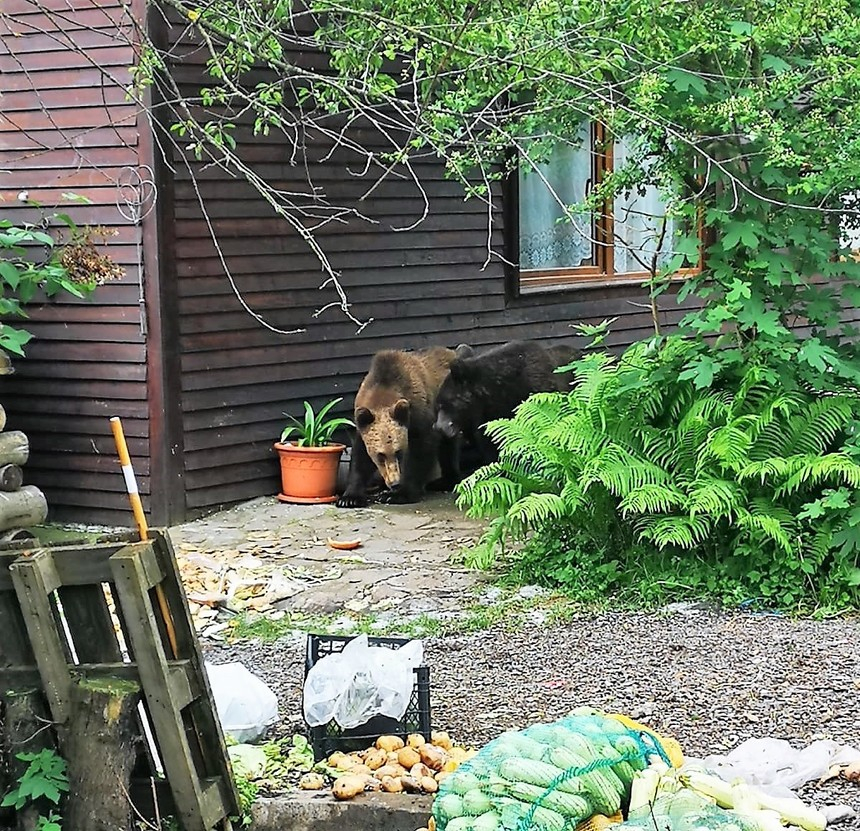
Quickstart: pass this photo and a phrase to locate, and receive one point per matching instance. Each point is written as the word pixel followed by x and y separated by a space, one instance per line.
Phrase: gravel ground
pixel 711 680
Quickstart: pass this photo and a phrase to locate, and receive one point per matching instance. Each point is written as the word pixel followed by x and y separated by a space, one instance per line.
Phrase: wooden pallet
pixel 58 626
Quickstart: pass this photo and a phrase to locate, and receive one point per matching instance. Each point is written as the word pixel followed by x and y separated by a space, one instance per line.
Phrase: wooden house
pixel 177 348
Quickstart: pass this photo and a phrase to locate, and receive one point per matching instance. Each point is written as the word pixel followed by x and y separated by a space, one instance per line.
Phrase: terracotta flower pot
pixel 309 474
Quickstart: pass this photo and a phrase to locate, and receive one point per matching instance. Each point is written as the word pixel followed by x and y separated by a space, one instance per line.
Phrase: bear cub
pixel 395 440
pixel 491 384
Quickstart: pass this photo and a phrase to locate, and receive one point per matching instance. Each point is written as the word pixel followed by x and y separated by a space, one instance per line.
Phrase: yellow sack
pixel 669 745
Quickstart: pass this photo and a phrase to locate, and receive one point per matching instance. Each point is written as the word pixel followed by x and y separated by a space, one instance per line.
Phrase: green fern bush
pixel 748 487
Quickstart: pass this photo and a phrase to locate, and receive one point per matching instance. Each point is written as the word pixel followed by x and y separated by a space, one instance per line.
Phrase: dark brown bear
pixel 395 439
pixel 491 384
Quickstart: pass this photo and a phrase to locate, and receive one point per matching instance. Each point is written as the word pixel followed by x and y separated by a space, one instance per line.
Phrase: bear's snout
pixel 445 426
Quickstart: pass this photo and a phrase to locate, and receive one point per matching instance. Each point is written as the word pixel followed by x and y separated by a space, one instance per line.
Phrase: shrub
pixel 750 484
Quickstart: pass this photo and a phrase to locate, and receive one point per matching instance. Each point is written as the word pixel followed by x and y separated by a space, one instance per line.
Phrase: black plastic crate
pixel 327 738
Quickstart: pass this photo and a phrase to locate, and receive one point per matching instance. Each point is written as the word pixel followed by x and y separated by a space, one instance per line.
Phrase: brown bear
pixel 395 439
pixel 491 384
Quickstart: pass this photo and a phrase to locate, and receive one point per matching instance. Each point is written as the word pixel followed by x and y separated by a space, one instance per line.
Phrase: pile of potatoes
pixel 393 766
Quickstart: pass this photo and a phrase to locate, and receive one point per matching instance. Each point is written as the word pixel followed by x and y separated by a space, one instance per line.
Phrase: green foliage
pixel 45 779
pixel 248 791
pixel 32 259
pixel 755 477
pixel 317 429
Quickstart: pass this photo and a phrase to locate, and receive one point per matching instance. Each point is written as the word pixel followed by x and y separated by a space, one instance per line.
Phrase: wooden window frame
pixel 533 281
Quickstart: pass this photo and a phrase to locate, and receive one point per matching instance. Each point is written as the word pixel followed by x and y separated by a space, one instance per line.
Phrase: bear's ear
pixel 363 418
pixel 464 351
pixel 400 411
pixel 459 370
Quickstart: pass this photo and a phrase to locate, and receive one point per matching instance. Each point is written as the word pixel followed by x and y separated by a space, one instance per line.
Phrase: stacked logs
pixel 21 506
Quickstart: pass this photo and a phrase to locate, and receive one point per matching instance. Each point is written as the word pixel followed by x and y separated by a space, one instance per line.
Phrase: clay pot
pixel 309 474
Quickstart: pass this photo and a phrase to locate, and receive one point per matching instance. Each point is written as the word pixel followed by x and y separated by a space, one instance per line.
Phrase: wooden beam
pixel 166 431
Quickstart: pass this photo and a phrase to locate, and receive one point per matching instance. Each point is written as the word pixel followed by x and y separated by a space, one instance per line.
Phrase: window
pixel 557 249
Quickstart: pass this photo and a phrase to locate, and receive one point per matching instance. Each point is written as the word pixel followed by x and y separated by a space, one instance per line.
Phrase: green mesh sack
pixel 686 811
pixel 549 777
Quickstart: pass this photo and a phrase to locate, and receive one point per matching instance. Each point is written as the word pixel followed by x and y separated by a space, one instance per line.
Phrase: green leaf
pixel 10 273
pixel 685 81
pixel 741 28
pixel 702 371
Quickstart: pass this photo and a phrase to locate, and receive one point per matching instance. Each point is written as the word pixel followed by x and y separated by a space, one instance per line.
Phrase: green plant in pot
pixel 309 458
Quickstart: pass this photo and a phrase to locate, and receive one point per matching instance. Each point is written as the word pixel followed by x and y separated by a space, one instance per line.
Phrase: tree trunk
pixel 22 508
pixel 14 448
pixel 26 729
pixel 11 477
pixel 99 746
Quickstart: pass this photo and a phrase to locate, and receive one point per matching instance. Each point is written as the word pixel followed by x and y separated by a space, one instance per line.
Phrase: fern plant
pixel 760 479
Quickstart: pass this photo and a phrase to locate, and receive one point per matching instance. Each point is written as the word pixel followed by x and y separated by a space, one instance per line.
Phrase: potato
pixel 428 784
pixel 432 756
pixel 360 770
pixel 346 787
pixel 420 770
pixel 450 766
pixel 408 757
pixel 392 784
pixel 375 758
pixel 392 757
pixel 388 743
pixel 410 784
pixel 458 754
pixel 336 758
pixel 441 739
pixel 441 776
pixel 312 782
pixel 390 770
pixel 415 740
pixel 371 783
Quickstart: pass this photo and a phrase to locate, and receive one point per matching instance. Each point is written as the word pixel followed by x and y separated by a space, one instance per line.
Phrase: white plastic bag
pixel 361 682
pixel 778 768
pixel 246 705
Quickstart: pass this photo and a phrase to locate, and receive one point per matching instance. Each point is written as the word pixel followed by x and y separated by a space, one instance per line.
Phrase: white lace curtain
pixel 639 222
pixel 548 239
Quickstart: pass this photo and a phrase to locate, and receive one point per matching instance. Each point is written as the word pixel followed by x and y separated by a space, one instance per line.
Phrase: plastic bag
pixel 360 682
pixel 245 704
pixel 776 767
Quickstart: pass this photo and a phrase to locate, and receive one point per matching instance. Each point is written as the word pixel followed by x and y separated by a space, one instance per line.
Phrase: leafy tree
pixel 746 112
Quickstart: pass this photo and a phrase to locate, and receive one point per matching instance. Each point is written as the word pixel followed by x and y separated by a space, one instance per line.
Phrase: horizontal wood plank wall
pixel 66 126
pixel 423 287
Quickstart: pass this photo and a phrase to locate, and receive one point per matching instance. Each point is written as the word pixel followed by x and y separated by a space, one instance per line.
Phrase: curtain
pixel 548 238
pixel 639 223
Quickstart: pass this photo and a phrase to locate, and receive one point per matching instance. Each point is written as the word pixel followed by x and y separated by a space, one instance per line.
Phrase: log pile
pixel 21 506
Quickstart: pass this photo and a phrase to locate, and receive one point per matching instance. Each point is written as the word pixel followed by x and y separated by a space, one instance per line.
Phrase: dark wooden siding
pixel 65 125
pixel 422 287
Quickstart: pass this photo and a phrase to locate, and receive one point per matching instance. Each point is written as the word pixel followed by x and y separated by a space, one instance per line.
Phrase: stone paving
pixel 272 558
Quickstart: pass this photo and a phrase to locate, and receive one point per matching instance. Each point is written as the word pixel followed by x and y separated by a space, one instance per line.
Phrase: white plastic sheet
pixel 360 682
pixel 246 705
pixel 778 768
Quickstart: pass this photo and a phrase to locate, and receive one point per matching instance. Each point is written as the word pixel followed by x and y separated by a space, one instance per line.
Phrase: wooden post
pixel 22 508
pixel 100 746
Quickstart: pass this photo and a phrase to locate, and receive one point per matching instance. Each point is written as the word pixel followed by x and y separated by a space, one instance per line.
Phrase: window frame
pixel 526 282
